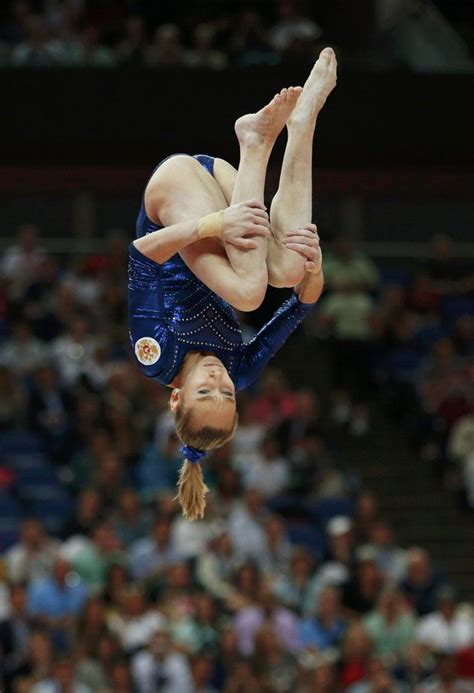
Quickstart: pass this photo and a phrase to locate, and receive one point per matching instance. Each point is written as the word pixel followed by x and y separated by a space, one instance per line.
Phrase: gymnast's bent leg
pixel 256 133
pixel 291 208
pixel 181 190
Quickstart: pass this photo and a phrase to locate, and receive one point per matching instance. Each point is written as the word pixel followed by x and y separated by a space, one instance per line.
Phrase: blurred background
pixel 337 549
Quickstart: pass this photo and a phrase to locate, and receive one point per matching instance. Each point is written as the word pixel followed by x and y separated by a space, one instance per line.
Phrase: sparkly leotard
pixel 171 312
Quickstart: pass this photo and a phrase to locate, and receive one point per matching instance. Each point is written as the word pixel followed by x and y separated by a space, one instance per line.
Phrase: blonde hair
pixel 192 488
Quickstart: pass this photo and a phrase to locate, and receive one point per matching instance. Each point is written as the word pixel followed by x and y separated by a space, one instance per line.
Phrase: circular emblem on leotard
pixel 147 351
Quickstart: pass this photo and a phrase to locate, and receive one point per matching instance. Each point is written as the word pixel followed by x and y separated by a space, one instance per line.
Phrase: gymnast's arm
pixel 271 337
pixel 232 224
pixel 311 287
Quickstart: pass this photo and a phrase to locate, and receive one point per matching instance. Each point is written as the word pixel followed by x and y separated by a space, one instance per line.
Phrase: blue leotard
pixel 171 312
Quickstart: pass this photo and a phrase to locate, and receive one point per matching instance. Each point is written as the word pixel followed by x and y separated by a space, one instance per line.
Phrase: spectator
pixel 198 631
pixel 391 626
pixel 40 659
pixel 37 50
pixel 378 678
pixel 156 468
pixel 245 526
pixel 303 420
pixel 268 474
pixel 325 629
pixel 202 671
pixel 93 559
pixel 132 522
pixel 318 673
pixel 203 53
pixel 21 262
pixel 55 602
pixel 448 629
pixel 91 626
pixel 445 678
pixel 460 450
pixel 33 555
pixel 48 408
pixel 273 663
pixel 275 401
pixel 355 655
pixel 13 401
pixel 150 556
pixel 293 27
pixel 161 667
pixel 63 678
pixel 88 512
pixel 250 45
pixel 422 581
pixel 362 591
pixel 335 571
pixel 250 618
pixel 348 266
pixel 390 558
pixel 134 623
pixel 365 516
pixel 166 49
pixel 130 50
pixel 216 566
pixel 23 353
pixel 275 560
pixel 15 634
pixel 73 349
pixel 290 586
pixel 120 676
pixel 248 436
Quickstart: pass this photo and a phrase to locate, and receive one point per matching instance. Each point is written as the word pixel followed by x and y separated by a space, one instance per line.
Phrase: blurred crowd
pixel 294 580
pixel 409 335
pixel 216 34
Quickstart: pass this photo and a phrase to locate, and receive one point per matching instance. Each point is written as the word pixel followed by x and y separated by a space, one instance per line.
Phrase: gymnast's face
pixel 207 389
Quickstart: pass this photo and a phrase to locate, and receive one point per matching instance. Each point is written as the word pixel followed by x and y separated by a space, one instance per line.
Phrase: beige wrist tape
pixel 211 224
pixel 319 266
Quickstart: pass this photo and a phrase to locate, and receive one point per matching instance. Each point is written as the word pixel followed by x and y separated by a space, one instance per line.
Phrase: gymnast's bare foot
pixel 318 86
pixel 263 128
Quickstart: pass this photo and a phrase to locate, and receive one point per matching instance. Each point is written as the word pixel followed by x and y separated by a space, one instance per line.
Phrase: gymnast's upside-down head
pixel 204 407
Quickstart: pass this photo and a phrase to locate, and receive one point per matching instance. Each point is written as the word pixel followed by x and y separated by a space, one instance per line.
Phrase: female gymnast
pixel 205 245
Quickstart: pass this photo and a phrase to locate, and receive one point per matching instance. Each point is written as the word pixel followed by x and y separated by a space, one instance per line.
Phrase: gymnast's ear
pixel 175 399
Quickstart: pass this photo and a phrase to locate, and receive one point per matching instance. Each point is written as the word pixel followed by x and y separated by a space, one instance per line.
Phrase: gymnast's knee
pixel 250 295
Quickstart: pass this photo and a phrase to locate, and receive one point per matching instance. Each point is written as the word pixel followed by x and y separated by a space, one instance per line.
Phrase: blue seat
pixel 452 307
pixel 328 508
pixel 54 512
pixel 9 535
pixel 397 276
pixel 9 507
pixel 10 521
pixel 427 336
pixel 19 443
pixel 40 482
pixel 308 536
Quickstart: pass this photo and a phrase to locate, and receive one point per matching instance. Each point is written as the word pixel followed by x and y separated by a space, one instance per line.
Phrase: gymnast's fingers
pixel 303 232
pixel 255 204
pixel 245 243
pixel 260 214
pixel 304 240
pixel 258 229
pixel 306 250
